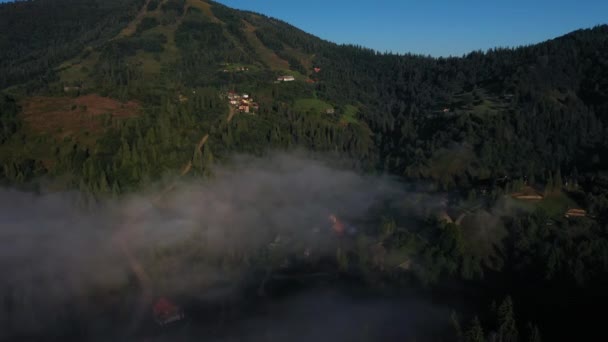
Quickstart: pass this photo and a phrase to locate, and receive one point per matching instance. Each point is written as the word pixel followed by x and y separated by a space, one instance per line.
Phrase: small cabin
pixel 166 312
pixel 575 213
pixel 286 78
pixel 336 225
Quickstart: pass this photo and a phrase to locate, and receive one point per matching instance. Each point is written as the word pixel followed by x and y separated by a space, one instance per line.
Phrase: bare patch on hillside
pixel 66 116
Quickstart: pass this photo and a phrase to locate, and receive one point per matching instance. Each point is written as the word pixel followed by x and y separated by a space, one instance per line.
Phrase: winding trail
pixel 129 228
pixel 188 167
pixel 130 29
pixel 231 114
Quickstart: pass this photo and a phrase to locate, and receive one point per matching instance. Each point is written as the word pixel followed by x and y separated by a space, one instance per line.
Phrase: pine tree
pixel 550 185
pixel 455 323
pixel 507 328
pixel 115 189
pixel 207 159
pixel 197 160
pixel 342 259
pixel 558 181
pixel 104 187
pixel 475 333
pixel 534 334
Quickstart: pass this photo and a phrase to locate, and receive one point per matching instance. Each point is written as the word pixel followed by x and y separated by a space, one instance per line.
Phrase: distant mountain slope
pixel 521 111
pixel 37 35
pixel 192 40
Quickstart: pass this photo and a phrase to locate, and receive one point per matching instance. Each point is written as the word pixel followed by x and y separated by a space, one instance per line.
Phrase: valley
pixel 267 183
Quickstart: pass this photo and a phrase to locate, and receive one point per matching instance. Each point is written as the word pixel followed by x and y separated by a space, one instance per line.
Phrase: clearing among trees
pixel 67 116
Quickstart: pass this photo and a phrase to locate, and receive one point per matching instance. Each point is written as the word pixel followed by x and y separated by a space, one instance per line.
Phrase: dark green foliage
pixel 20 171
pixel 277 31
pixel 176 6
pixel 519 119
pixel 294 62
pixel 112 69
pixel 146 24
pixel 507 328
pixel 152 5
pixel 9 122
pixel 573 251
pixel 36 36
pixel 226 14
pixel 199 33
pixel 475 333
pixel 269 39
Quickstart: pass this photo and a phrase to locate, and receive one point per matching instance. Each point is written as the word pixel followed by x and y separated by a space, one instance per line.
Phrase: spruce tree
pixel 534 334
pixel 507 328
pixel 475 333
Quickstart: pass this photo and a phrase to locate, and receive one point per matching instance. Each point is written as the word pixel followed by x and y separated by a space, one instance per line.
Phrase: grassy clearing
pixel 350 115
pixel 557 204
pixel 234 67
pixel 149 64
pixel 477 102
pixel 311 105
pixel 78 69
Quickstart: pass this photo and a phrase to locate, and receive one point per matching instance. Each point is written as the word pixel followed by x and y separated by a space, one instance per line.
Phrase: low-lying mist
pixel 75 271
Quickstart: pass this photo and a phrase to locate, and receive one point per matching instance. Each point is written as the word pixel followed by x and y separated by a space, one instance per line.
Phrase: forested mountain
pixel 506 112
pixel 38 35
pixel 108 97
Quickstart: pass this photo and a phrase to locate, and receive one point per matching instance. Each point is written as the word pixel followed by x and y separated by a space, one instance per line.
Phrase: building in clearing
pixel 166 312
pixel 233 96
pixel 528 193
pixel 243 108
pixel 576 213
pixel 286 78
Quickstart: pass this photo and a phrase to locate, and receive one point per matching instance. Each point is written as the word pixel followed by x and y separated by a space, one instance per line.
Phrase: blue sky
pixel 435 27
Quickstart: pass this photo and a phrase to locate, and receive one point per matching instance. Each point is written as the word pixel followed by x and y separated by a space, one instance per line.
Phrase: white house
pixel 286 78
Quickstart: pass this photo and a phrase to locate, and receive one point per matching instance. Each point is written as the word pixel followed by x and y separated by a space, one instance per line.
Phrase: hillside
pixel 402 114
